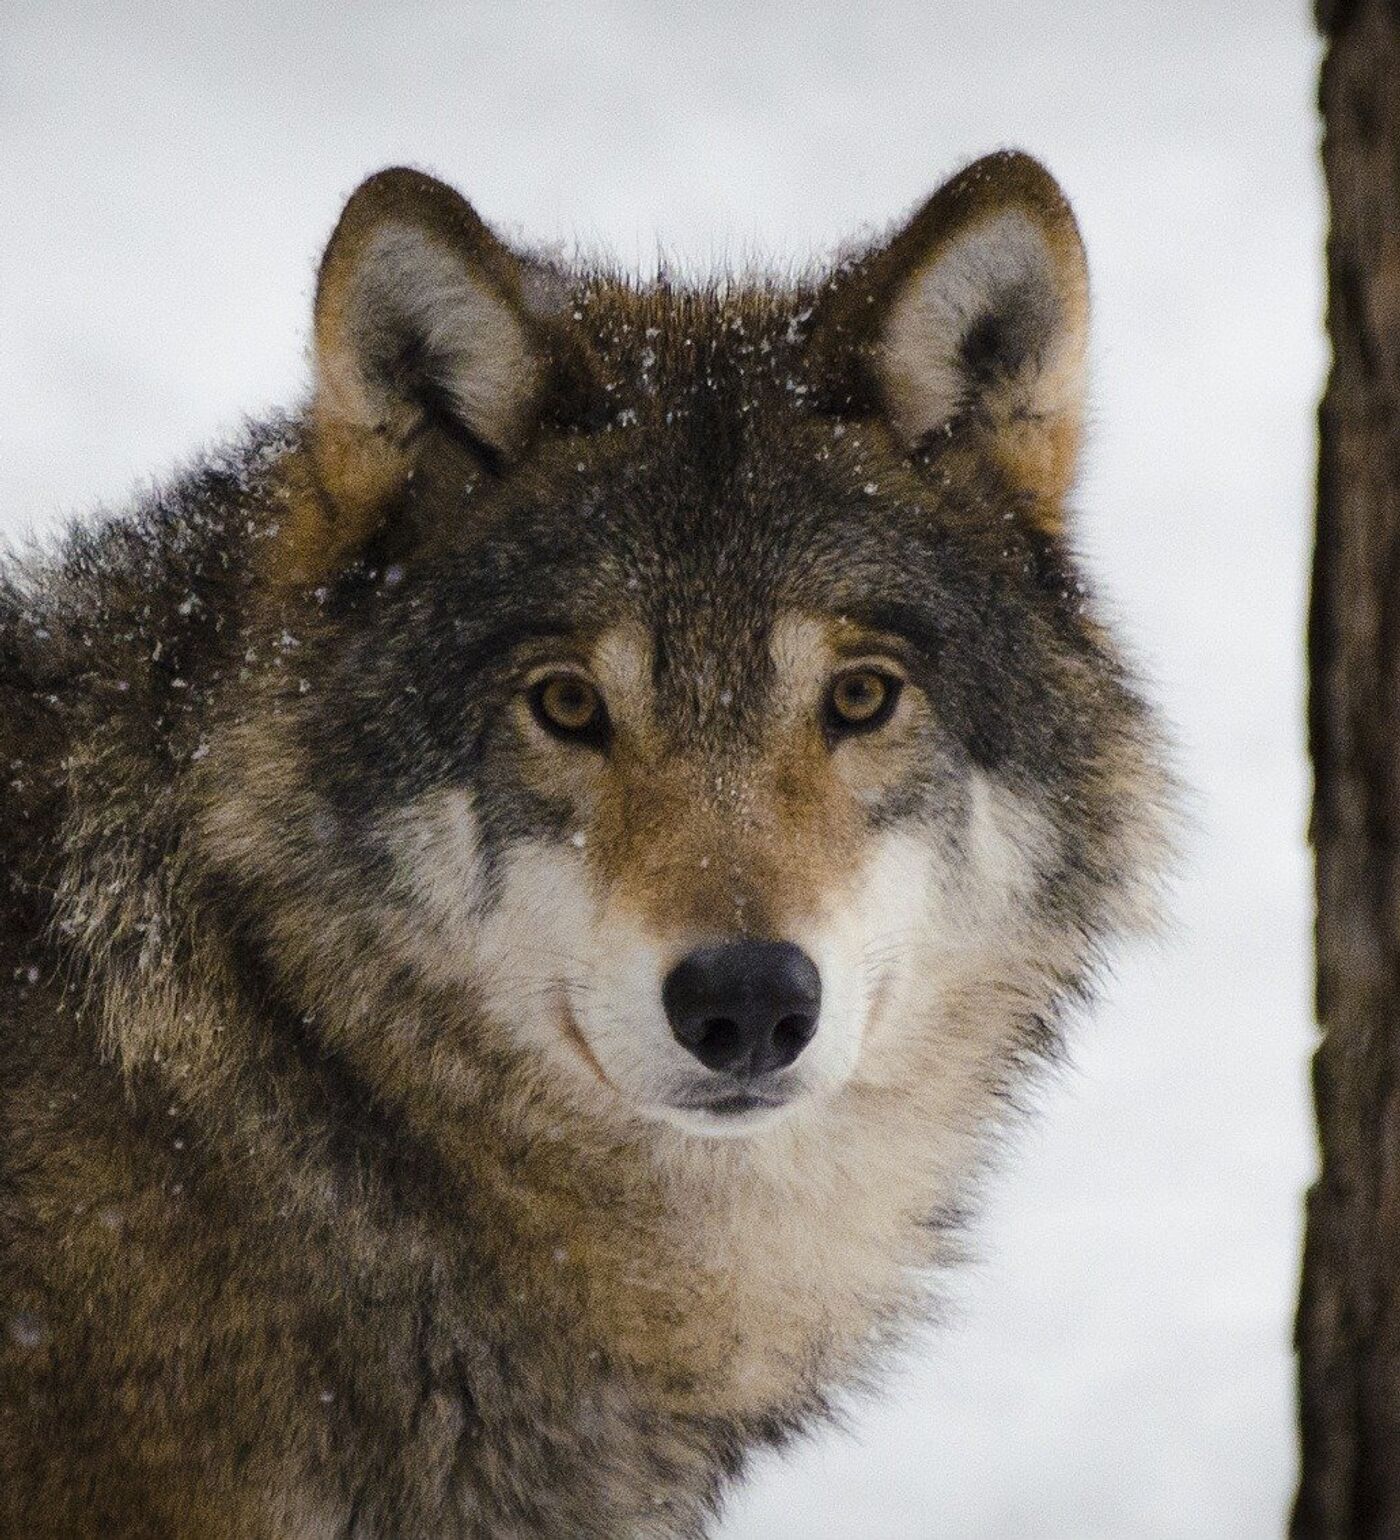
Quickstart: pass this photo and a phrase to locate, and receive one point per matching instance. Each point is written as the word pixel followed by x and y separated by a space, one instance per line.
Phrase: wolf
pixel 533 882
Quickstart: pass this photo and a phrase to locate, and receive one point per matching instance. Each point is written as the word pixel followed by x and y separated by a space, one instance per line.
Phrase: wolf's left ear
pixel 422 332
pixel 973 318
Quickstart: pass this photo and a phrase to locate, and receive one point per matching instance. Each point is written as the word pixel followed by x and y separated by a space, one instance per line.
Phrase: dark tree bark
pixel 1348 1333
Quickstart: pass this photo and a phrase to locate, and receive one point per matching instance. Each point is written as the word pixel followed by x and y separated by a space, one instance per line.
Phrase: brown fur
pixel 299 1234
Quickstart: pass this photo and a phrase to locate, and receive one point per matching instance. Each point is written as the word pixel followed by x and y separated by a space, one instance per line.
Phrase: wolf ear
pixel 420 325
pixel 974 317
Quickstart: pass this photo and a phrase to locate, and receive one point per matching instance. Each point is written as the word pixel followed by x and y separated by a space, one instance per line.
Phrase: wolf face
pixel 709 910
pixel 695 683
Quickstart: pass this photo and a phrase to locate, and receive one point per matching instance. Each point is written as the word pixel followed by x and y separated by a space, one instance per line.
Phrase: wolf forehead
pixel 702 456
pixel 706 531
pixel 717 516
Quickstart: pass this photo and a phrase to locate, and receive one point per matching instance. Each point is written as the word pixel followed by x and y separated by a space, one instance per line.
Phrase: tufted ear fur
pixel 972 319
pixel 422 334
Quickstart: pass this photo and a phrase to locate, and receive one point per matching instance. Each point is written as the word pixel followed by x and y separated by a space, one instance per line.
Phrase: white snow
pixel 1120 1366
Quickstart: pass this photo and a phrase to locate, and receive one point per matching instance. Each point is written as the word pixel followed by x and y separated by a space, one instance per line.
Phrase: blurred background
pixel 1117 1361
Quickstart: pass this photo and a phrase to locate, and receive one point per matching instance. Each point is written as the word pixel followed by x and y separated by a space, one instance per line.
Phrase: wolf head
pixel 692 688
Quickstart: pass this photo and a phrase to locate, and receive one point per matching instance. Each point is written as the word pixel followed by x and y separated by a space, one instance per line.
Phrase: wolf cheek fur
pixel 529 885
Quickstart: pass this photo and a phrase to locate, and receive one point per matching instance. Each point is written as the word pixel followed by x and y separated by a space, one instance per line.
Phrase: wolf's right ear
pixel 420 325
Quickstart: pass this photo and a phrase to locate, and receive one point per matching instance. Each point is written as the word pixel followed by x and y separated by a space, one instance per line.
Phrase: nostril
pixel 792 1034
pixel 718 1041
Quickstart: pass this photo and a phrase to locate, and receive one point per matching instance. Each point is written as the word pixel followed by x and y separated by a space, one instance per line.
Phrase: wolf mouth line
pixel 728 1104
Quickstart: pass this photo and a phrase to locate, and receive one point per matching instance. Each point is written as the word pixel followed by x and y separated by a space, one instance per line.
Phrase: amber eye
pixel 568 706
pixel 861 700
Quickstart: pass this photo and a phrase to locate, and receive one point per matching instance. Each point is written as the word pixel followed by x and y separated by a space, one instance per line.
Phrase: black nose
pixel 745 1007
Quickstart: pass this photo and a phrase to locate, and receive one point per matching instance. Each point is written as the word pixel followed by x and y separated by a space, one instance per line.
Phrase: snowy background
pixel 1120 1364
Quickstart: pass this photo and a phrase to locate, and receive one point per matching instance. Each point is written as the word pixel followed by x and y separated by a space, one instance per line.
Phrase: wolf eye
pixel 569 707
pixel 861 700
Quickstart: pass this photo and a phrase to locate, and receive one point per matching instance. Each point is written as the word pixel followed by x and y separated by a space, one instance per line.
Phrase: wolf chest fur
pixel 530 883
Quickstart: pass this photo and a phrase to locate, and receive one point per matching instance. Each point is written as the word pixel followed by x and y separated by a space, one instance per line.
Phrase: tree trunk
pixel 1348 1333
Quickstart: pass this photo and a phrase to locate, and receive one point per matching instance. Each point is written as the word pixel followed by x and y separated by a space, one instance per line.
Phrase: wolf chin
pixel 530 884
